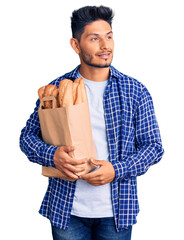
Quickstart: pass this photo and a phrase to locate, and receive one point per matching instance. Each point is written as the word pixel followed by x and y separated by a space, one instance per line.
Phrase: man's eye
pixel 109 37
pixel 94 39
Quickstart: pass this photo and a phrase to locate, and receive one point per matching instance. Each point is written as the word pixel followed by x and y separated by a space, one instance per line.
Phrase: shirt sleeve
pixel 31 142
pixel 148 143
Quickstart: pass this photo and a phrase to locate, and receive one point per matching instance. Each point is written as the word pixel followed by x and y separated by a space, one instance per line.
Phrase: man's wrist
pixel 48 155
pixel 121 170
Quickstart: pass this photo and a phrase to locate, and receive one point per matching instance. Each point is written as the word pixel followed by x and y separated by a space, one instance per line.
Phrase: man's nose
pixel 104 44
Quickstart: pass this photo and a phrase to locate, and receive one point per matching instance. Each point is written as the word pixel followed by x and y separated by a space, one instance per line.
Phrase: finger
pixel 89 176
pixel 67 149
pixel 74 161
pixel 70 174
pixel 96 182
pixel 96 162
pixel 80 168
pixel 74 169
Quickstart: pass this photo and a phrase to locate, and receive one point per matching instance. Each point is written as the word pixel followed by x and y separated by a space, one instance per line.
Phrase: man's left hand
pixel 105 173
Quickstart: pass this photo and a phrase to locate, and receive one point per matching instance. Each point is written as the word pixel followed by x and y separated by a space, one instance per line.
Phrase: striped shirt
pixel 134 145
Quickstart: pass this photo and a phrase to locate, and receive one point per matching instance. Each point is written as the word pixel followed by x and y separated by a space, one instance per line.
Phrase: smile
pixel 104 55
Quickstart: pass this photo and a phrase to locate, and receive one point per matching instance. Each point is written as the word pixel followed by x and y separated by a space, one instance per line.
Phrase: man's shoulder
pixel 125 79
pixel 69 75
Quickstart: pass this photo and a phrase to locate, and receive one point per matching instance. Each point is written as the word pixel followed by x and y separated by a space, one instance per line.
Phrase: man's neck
pixel 94 74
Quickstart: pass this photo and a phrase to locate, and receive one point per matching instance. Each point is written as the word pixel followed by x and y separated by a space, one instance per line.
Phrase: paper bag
pixel 67 126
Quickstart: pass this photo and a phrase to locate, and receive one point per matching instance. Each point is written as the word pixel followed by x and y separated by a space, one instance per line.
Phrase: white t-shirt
pixel 95 201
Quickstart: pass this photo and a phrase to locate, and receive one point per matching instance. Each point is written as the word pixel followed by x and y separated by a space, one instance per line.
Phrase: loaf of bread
pixel 69 93
pixel 83 89
pixel 46 91
pixel 66 93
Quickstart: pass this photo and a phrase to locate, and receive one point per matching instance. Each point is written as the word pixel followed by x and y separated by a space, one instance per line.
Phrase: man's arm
pixel 147 141
pixel 103 175
pixel 37 151
pixel 31 141
pixel 148 144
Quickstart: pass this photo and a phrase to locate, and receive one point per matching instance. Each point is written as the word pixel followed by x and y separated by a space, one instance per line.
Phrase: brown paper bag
pixel 67 126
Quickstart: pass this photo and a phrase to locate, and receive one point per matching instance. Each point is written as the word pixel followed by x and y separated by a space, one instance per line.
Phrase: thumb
pixel 96 162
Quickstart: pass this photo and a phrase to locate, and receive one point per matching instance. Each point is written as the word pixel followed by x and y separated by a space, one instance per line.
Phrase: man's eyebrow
pixel 96 34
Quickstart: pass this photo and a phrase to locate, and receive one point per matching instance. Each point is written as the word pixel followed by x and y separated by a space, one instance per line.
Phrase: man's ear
pixel 75 45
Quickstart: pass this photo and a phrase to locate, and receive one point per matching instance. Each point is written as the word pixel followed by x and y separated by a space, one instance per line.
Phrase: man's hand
pixel 105 173
pixel 67 165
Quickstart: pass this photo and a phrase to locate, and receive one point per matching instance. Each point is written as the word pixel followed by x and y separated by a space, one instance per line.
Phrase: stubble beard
pixel 87 59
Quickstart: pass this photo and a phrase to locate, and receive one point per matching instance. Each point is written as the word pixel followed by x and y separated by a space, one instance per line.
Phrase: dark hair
pixel 86 15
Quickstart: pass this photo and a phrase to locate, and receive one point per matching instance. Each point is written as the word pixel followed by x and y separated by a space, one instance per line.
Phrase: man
pixel 101 204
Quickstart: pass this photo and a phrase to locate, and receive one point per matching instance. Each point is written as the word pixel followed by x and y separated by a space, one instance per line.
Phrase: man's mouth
pixel 104 55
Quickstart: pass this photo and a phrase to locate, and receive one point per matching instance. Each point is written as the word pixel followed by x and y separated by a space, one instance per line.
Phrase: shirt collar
pixel 113 73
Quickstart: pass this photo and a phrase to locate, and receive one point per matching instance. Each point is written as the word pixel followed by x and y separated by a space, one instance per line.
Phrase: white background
pixel 35 50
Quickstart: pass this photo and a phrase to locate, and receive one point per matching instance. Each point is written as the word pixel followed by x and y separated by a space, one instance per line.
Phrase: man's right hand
pixel 67 165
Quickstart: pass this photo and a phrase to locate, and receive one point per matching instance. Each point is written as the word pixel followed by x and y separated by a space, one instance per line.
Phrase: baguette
pixel 75 85
pixel 69 93
pixel 78 99
pixel 56 95
pixel 81 95
pixel 67 100
pixel 77 80
pixel 49 89
pixel 45 91
pixel 40 92
pixel 83 90
pixel 62 88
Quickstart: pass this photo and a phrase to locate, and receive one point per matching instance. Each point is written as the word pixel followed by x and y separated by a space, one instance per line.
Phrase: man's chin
pixel 106 65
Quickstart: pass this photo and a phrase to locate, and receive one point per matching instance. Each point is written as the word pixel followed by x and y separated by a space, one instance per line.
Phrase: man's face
pixel 97 44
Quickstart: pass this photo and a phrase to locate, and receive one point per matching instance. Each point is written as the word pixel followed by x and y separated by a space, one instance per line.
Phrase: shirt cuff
pixel 121 170
pixel 48 155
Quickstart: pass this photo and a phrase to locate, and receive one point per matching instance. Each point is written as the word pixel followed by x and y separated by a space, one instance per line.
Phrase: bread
pixel 67 100
pixel 77 80
pixel 49 89
pixel 83 90
pixel 75 85
pixel 62 88
pixel 78 99
pixel 69 93
pixel 40 92
pixel 82 95
pixel 56 95
pixel 45 91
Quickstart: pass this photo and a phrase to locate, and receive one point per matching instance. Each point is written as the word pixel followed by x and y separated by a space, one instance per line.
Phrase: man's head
pixel 92 35
pixel 86 15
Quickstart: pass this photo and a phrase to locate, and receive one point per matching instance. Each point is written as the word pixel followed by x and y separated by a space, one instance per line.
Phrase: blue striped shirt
pixel 134 145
